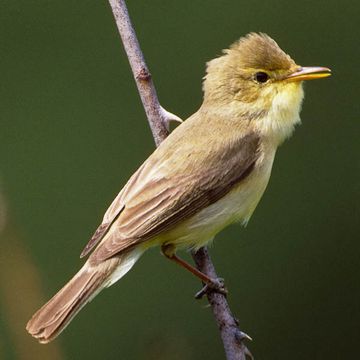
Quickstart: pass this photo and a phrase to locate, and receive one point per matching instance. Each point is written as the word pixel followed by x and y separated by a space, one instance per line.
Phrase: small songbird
pixel 211 171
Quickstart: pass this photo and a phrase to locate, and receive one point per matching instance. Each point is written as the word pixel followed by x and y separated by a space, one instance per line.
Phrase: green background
pixel 73 130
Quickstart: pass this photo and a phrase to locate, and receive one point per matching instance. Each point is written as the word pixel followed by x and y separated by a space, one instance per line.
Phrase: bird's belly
pixel 237 205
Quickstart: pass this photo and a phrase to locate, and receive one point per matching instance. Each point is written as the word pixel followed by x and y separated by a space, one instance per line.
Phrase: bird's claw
pixel 215 285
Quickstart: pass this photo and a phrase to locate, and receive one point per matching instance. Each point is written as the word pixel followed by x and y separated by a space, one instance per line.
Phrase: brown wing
pixel 164 193
pixel 110 216
pixel 100 232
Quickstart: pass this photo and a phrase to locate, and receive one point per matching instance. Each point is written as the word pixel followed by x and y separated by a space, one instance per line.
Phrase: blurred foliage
pixel 73 130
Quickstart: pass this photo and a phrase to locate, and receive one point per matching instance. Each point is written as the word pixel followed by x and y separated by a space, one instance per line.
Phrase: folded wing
pixel 171 187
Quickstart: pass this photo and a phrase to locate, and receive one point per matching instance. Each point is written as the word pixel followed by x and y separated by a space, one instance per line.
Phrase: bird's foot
pixel 214 285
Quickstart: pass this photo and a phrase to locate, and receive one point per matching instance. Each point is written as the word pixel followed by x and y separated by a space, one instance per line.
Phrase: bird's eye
pixel 261 77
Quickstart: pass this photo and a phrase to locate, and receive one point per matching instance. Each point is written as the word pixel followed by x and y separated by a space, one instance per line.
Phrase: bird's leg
pixel 210 284
pixel 204 278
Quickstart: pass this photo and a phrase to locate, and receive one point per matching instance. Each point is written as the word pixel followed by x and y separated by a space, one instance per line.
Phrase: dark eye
pixel 261 77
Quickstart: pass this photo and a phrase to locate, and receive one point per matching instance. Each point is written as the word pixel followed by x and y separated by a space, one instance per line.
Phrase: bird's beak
pixel 309 73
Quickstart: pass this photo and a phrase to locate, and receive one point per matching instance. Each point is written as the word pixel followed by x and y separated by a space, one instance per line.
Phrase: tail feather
pixel 56 314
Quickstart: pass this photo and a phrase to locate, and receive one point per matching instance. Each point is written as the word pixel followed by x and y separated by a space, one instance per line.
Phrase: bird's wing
pixel 111 215
pixel 162 194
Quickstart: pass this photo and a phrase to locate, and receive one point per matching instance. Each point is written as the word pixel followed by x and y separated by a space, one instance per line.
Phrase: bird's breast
pixel 236 205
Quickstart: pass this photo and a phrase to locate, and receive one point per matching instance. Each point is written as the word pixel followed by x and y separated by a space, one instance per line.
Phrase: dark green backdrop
pixel 73 130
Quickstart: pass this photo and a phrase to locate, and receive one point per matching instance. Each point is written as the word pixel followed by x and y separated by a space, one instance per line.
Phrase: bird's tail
pixel 56 314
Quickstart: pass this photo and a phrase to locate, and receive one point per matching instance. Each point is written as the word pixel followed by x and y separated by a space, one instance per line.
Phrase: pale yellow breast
pixel 237 205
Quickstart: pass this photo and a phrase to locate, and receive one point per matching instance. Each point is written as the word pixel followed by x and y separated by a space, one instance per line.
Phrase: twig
pixel 158 119
pixel 154 112
pixel 231 336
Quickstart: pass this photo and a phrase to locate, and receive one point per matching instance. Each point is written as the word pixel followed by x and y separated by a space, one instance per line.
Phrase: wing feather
pixel 159 196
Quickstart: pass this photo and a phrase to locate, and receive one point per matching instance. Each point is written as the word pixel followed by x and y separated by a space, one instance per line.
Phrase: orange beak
pixel 309 73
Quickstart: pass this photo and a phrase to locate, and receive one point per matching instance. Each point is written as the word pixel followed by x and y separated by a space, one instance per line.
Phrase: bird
pixel 210 172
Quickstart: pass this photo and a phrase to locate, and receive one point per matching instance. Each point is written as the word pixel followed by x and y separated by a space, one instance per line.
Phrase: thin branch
pixel 158 119
pixel 231 336
pixel 140 71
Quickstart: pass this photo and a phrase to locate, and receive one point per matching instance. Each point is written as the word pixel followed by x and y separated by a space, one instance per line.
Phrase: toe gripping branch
pixel 229 325
pixel 210 284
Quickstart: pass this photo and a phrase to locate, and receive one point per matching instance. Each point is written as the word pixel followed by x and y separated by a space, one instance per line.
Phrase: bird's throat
pixel 284 113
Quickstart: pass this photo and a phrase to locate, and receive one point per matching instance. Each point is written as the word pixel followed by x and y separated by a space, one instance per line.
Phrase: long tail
pixel 56 314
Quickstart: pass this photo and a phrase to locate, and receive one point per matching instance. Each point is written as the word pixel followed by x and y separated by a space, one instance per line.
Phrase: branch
pixel 158 119
pixel 231 336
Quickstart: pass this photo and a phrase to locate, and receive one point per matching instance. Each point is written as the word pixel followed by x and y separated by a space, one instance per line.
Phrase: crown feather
pixel 260 51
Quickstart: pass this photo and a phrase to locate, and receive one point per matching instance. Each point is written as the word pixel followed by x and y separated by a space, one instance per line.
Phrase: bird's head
pixel 259 81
